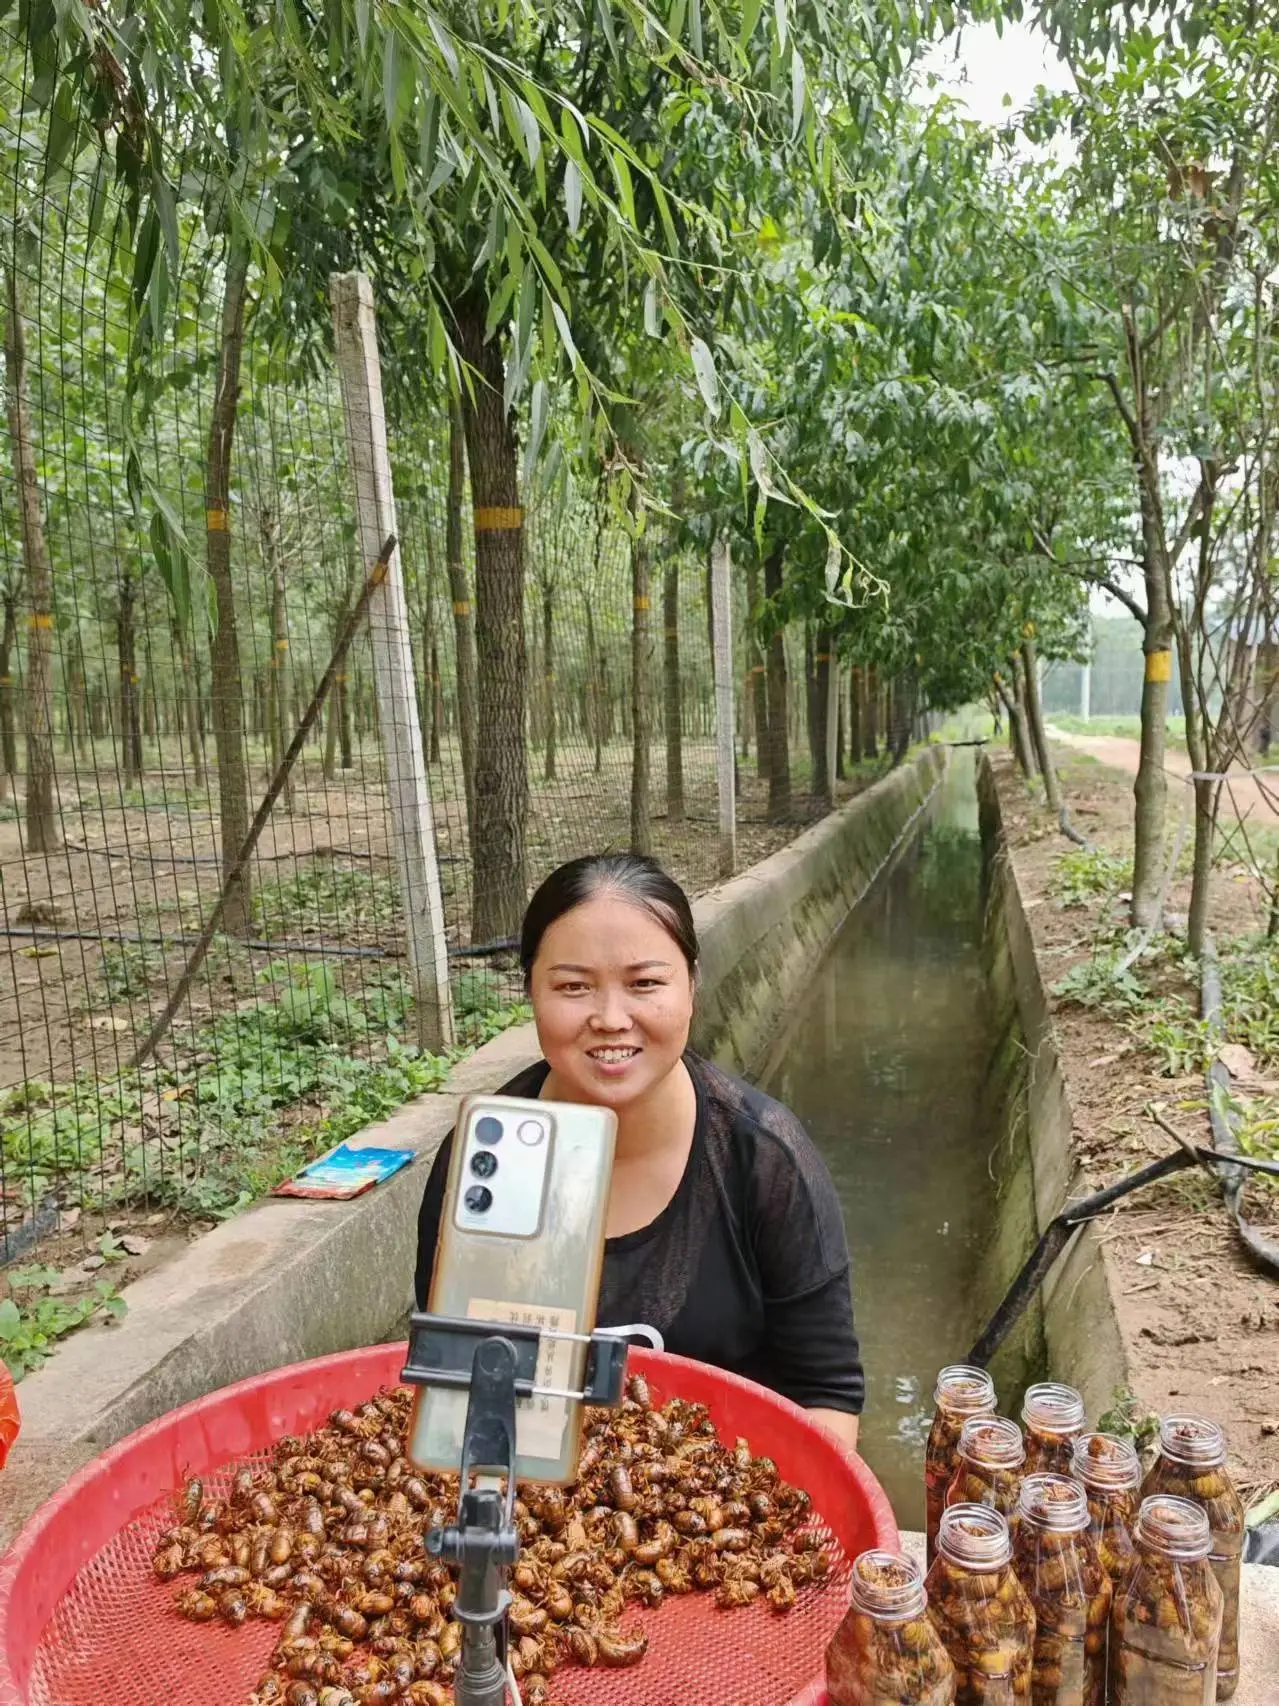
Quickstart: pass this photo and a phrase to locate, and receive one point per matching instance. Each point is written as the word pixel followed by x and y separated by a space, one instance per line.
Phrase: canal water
pixel 884 1062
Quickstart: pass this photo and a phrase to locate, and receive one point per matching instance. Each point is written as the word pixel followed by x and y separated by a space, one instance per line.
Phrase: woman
pixel 724 1231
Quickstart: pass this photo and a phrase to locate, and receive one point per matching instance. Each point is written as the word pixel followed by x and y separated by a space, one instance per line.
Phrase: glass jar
pixel 1167 1619
pixel 989 1466
pixel 1053 1417
pixel 980 1609
pixel 961 1393
pixel 1057 1564
pixel 1192 1465
pixel 886 1652
pixel 1110 1472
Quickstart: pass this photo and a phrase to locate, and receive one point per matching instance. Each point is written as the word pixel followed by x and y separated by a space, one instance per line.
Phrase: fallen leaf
pixel 1146 1259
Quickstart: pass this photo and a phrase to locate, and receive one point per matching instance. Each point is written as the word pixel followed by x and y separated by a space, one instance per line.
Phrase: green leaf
pixel 798 89
pixel 573 195
pixel 707 378
pixel 172 562
pixel 10 1319
pixel 652 310
pixel 539 413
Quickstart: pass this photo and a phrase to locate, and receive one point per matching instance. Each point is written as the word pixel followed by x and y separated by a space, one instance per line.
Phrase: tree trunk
pixel 673 693
pixel 548 676
pixel 870 722
pixel 641 710
pixel 1035 717
pixel 41 820
pixel 595 693
pixel 463 612
pixel 779 794
pixel 279 681
pixel 126 652
pixel 819 718
pixel 902 702
pixel 841 736
pixel 1150 790
pixel 8 730
pixel 190 690
pixel 755 659
pixel 436 698
pixel 227 690
pixel 1207 795
pixel 1018 733
pixel 498 889
pixel 80 702
pixel 856 699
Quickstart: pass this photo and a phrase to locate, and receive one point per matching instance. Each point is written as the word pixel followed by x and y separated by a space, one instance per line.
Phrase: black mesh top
pixel 746 1267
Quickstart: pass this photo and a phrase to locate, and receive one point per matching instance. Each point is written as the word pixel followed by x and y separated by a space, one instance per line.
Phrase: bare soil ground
pixel 1200 1323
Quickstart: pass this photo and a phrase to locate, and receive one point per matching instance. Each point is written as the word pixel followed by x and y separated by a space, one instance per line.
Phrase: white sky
pixel 980 66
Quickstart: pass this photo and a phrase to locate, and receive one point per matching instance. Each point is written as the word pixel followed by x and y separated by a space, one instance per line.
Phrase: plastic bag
pixel 10 1420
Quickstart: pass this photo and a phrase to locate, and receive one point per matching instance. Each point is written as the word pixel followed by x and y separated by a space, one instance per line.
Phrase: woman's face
pixel 613 1000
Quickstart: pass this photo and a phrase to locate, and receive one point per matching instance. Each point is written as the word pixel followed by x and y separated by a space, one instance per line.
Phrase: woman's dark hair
pixel 631 877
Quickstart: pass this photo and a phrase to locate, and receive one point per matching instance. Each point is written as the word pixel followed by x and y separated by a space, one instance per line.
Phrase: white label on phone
pixel 539 1422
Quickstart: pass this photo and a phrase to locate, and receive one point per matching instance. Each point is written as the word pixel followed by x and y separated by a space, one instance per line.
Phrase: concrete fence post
pixel 408 789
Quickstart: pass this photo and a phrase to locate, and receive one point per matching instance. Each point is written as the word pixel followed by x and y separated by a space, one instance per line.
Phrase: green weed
pixel 1083 875
pixel 327 899
pixel 127 970
pixel 32 1321
pixel 1097 983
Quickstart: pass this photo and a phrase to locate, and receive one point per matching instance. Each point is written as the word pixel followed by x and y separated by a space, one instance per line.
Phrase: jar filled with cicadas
pixel 980 1608
pixel 1192 1465
pixel 1053 1418
pixel 961 1394
pixel 1057 1564
pixel 989 1466
pixel 1167 1620
pixel 1110 1472
pixel 886 1652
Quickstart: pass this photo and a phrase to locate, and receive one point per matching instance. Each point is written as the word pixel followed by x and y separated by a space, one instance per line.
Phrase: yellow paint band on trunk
pixel 39 619
pixel 498 520
pixel 639 604
pixel 215 520
pixel 461 607
pixel 1158 666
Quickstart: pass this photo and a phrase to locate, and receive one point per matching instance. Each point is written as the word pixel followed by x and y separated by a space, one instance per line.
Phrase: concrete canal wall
pixel 1071 1329
pixel 290 1280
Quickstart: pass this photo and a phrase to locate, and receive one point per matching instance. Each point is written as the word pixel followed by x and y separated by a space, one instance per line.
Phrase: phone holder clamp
pixel 498 1363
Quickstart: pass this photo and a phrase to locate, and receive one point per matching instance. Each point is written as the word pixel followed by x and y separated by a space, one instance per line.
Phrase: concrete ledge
pixel 1074 1318
pixel 289 1280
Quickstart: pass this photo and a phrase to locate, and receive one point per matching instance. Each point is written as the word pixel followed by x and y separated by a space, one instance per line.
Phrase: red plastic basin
pixel 84 1623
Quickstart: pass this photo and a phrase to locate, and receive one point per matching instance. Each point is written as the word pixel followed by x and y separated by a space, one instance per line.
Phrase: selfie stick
pixel 497 1362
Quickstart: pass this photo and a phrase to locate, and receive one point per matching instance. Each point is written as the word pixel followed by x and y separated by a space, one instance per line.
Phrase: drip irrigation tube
pixel 1060 1231
pixel 256 944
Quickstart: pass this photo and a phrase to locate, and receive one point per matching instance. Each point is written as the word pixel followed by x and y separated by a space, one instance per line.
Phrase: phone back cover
pixel 550 1280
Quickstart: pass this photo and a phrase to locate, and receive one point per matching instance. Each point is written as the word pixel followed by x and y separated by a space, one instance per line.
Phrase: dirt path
pixel 1250 795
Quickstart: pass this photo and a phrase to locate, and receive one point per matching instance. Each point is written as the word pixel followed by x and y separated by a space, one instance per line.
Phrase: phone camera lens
pixel 478 1199
pixel 484 1163
pixel 531 1132
pixel 488 1129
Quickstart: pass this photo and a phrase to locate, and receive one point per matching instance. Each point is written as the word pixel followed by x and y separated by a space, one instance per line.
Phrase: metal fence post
pixel 725 754
pixel 408 790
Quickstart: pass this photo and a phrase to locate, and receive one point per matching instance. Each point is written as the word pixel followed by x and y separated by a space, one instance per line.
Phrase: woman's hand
pixel 840 1423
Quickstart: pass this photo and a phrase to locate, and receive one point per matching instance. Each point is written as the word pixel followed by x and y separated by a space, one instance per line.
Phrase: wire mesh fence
pixel 180 551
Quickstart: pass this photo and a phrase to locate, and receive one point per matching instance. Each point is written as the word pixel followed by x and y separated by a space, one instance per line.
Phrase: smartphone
pixel 522 1241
